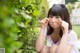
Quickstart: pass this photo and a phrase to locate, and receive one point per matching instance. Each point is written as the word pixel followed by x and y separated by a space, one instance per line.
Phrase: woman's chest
pixel 55 38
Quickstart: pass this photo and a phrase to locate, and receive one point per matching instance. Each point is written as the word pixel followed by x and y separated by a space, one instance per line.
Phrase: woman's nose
pixel 53 20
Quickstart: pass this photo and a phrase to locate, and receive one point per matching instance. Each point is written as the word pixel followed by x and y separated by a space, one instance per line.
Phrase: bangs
pixel 55 11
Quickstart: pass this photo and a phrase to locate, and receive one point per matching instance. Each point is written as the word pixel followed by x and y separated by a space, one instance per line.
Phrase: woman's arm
pixel 40 41
pixel 63 46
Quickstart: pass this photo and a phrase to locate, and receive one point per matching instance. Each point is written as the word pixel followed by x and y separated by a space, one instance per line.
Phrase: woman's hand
pixel 64 25
pixel 44 22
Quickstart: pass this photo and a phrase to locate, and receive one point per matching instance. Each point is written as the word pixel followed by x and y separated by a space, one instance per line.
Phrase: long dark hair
pixel 58 10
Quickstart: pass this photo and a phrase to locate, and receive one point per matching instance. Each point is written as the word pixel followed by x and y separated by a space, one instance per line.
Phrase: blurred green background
pixel 19 24
pixel 76 28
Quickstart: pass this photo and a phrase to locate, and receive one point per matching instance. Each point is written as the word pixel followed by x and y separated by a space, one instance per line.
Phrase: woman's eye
pixel 57 16
pixel 50 16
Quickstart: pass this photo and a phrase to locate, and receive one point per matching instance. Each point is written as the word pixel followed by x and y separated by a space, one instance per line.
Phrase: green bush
pixel 19 25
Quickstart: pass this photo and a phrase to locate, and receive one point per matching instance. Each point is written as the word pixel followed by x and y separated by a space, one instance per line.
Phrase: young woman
pixel 57 29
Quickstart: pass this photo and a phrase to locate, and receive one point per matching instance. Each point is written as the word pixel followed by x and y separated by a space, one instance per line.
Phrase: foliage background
pixel 19 24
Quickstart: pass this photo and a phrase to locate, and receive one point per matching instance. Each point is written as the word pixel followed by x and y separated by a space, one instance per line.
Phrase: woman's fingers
pixel 59 21
pixel 45 20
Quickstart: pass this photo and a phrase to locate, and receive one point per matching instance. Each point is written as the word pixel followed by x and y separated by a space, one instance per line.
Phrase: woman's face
pixel 53 21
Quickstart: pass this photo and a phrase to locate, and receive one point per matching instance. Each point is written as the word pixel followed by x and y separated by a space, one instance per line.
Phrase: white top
pixel 72 40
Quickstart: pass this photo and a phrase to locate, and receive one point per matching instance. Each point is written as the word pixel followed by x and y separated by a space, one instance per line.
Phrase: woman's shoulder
pixel 72 34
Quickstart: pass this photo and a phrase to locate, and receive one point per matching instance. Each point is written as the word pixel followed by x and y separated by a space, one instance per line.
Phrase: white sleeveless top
pixel 72 40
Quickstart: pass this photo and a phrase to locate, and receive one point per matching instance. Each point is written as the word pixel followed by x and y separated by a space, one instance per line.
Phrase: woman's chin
pixel 55 27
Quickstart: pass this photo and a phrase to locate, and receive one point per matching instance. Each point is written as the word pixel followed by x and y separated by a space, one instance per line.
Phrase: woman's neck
pixel 56 31
pixel 56 35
